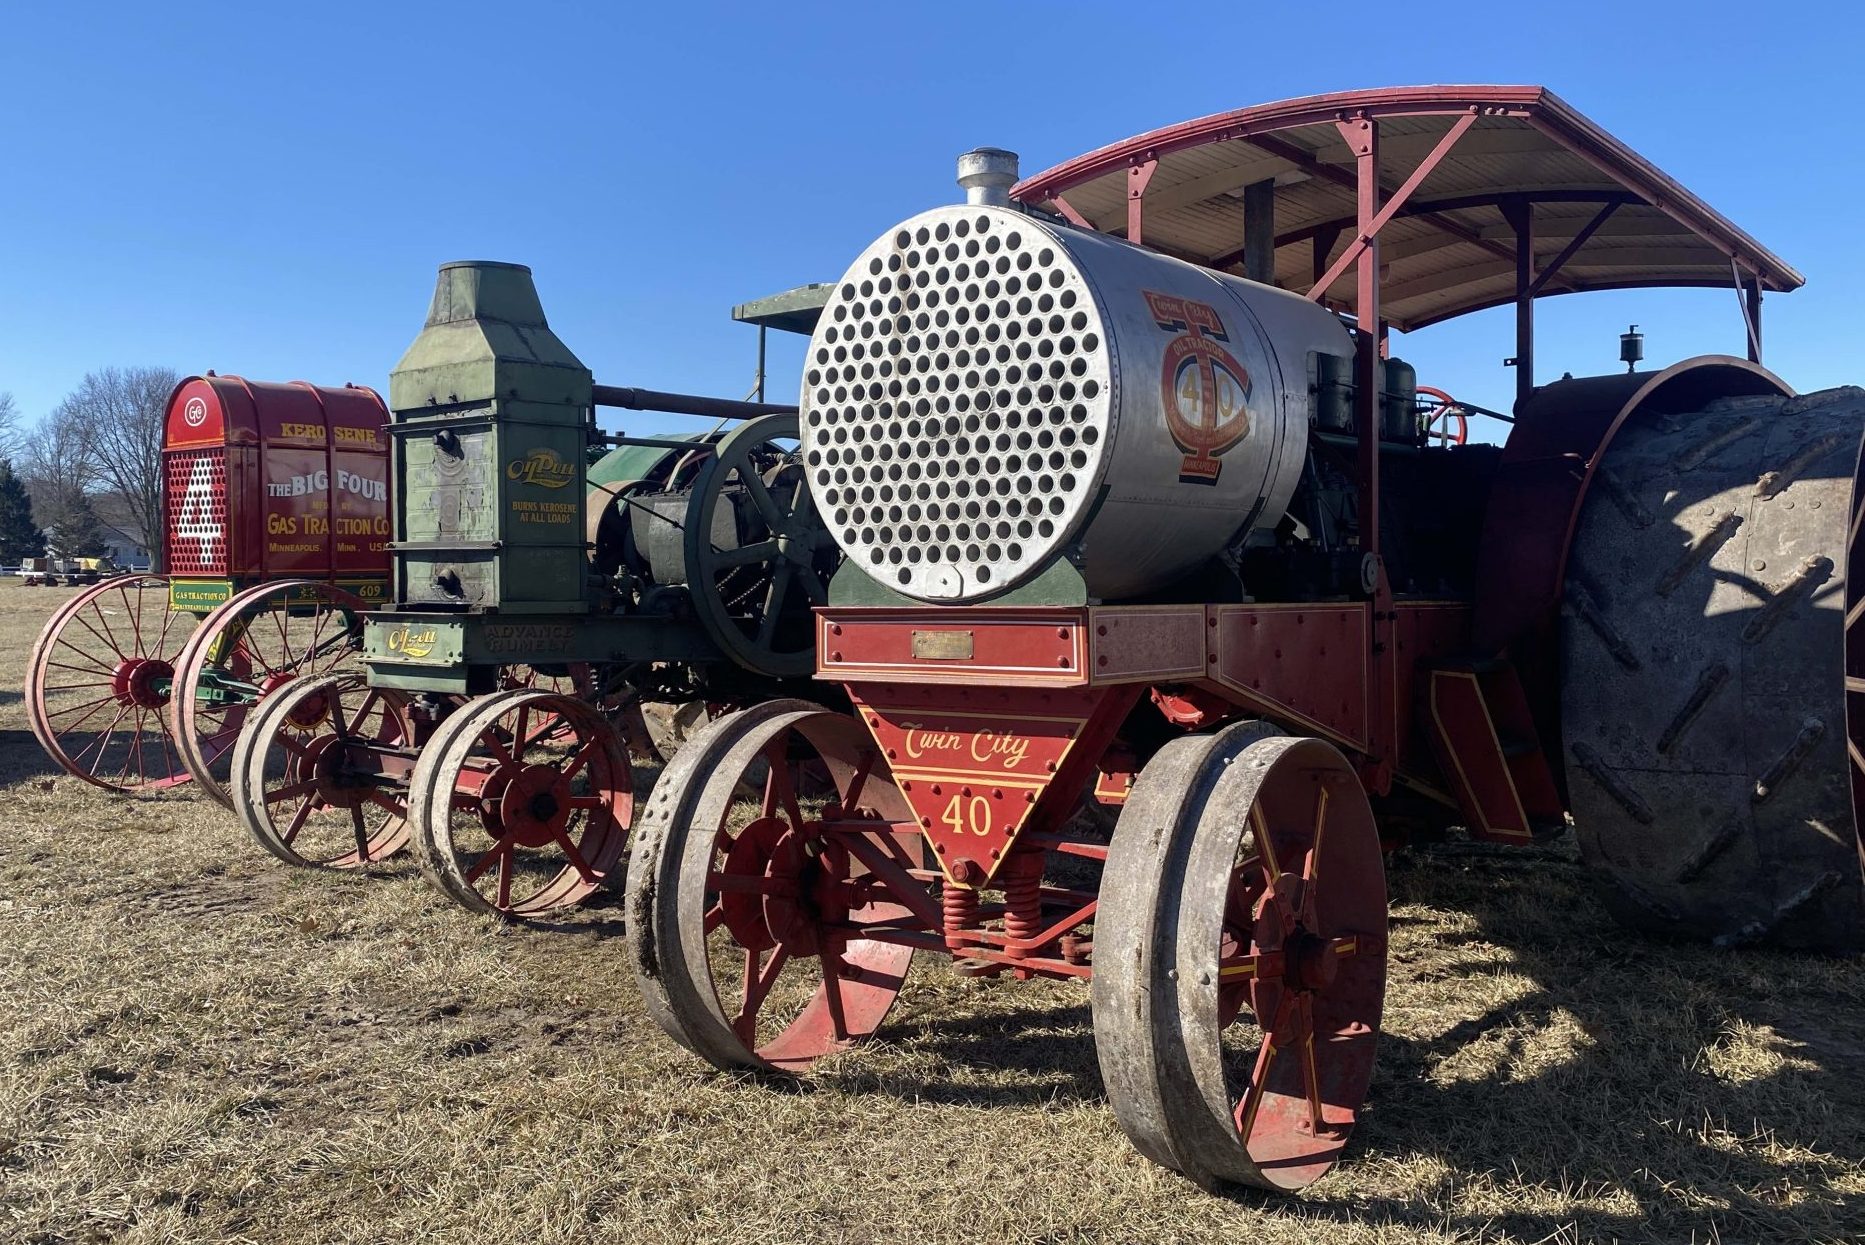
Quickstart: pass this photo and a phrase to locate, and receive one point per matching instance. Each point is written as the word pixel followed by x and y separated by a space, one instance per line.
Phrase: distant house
pixel 124 539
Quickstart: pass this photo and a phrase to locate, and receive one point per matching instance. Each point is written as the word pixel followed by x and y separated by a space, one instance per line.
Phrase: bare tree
pixel 117 415
pixel 56 466
pixel 11 439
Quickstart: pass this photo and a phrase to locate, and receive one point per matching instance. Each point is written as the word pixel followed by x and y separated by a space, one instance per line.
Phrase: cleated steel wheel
pixel 319 773
pixel 746 915
pixel 1240 958
pixel 521 802
pixel 1707 662
pixel 244 650
pixel 98 684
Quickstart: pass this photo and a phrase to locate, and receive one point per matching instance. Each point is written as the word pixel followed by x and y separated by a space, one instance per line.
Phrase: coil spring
pixel 959 906
pixel 1023 902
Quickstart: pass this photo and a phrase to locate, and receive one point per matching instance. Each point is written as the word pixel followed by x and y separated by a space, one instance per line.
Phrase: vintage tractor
pixel 1133 499
pixel 275 507
pixel 687 579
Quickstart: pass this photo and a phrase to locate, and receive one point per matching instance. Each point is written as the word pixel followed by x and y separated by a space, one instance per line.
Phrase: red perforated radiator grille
pixel 195 506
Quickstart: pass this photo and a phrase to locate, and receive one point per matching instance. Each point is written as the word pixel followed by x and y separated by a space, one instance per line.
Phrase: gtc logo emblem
pixel 1205 391
pixel 195 413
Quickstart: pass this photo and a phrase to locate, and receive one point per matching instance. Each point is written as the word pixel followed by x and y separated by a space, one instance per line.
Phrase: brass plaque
pixel 942 645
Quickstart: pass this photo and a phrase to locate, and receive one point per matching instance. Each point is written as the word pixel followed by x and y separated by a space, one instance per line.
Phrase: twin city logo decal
pixel 1205 391
pixel 194 414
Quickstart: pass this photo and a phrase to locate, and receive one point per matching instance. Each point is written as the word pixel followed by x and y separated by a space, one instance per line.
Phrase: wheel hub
pixel 1311 963
pixel 534 805
pixel 143 681
pixel 326 762
pixel 772 879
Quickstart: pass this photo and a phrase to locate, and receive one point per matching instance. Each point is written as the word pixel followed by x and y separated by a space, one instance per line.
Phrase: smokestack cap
pixel 987 174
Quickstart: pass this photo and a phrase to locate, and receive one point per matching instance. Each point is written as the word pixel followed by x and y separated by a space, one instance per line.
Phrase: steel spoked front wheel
pixel 243 651
pixel 1240 958
pixel 521 803
pixel 760 926
pixel 99 681
pixel 320 773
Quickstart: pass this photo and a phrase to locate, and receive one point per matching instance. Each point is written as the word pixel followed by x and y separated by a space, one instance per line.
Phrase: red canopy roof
pixel 1609 217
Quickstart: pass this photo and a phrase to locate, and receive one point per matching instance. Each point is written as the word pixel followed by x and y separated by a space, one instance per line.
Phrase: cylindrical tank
pixel 986 389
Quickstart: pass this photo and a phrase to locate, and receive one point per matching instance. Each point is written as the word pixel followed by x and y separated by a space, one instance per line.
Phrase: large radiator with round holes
pixel 987 391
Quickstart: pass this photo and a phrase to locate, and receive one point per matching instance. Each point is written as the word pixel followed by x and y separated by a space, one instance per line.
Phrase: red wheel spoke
pixel 576 857
pixel 774 767
pixel 832 969
pixel 101 742
pixel 715 917
pixel 89 704
pixel 292 791
pixel 488 858
pixel 1311 1075
pixel 577 762
pixel 1260 966
pixel 591 803
pixel 362 832
pixel 1311 866
pixel 504 900
pixel 99 666
pixel 496 746
pixel 297 821
pixel 852 800
pixel 519 742
pixel 381 799
pixel 1252 1100
pixel 757 987
pixel 107 641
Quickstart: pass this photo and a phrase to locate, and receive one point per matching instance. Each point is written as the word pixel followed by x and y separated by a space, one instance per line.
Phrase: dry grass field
pixel 197 1044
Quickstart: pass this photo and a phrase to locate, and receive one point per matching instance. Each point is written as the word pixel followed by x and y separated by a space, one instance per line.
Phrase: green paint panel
pixel 197 596
pixel 490 419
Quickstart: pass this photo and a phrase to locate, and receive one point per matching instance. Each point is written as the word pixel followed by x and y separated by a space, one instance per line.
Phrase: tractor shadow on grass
pixel 1710 1094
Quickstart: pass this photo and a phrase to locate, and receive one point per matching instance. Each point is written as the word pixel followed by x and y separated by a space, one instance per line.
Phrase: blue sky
pixel 267 189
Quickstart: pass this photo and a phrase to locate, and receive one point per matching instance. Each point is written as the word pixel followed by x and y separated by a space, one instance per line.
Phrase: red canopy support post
pixel 1520 214
pixel 1137 177
pixel 1362 138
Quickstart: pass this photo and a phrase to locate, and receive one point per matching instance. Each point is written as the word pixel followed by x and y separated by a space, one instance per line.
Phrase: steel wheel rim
pixel 253 656
pixel 522 770
pixel 691 860
pixel 313 773
pixel 119 671
pixel 1314 967
pixel 1188 939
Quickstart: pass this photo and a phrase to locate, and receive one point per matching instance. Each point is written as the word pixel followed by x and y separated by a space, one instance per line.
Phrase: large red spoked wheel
pixel 247 648
pixel 1436 407
pixel 521 802
pixel 98 682
pixel 1240 958
pixel 746 915
pixel 319 772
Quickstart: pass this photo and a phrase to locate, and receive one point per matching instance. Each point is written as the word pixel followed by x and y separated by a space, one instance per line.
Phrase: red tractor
pixel 276 515
pixel 1136 506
